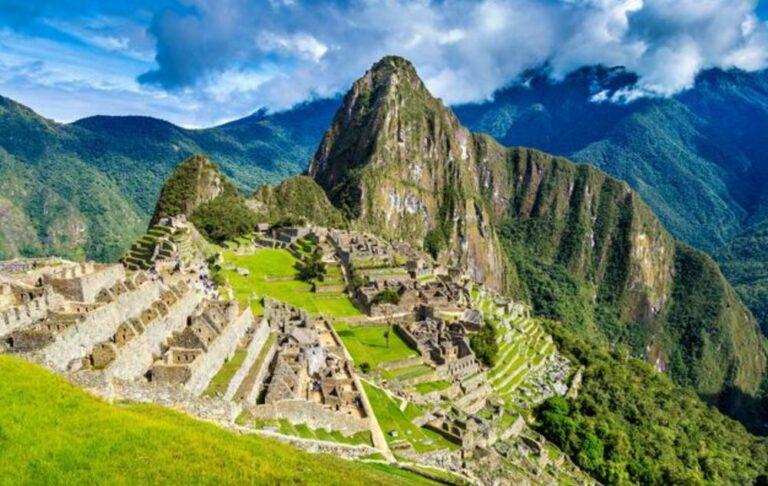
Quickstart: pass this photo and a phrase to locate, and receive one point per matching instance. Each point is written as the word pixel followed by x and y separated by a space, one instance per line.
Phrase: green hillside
pixel 87 189
pixel 54 433
pixel 698 158
pixel 629 424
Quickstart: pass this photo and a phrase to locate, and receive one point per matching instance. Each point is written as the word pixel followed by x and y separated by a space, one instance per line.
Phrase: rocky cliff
pixel 398 162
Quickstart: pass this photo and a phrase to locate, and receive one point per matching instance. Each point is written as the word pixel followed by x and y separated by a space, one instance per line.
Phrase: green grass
pixel 407 372
pixel 367 344
pixel 54 433
pixel 220 382
pixel 272 272
pixel 390 418
pixel 304 431
pixel 432 386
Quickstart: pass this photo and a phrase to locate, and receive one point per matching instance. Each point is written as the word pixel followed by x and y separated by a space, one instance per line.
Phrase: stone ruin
pixel 309 379
pixel 137 327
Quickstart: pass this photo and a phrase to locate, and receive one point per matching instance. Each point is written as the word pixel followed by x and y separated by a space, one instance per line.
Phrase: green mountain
pixel 698 158
pixel 578 244
pixel 296 198
pixel 87 189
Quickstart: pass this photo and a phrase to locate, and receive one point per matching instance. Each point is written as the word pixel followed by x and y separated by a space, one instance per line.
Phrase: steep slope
pixel 691 157
pixel 194 182
pixel 88 189
pixel 198 190
pixel 698 159
pixel 745 262
pixel 397 161
pixel 55 433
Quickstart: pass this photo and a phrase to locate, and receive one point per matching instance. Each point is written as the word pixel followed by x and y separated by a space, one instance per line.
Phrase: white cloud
pixel 463 49
pixel 225 58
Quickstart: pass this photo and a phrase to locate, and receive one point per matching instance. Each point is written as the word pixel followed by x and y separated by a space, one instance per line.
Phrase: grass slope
pixel 54 433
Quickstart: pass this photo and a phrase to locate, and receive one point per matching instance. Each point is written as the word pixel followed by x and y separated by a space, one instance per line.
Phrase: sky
pixel 203 62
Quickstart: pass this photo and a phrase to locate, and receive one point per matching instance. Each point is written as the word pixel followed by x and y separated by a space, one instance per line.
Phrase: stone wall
pixel 25 314
pixel 76 342
pixel 26 264
pixel 205 367
pixel 137 356
pixel 314 415
pixel 254 349
pixel 403 363
pixel 83 283
pixel 314 446
pixel 257 383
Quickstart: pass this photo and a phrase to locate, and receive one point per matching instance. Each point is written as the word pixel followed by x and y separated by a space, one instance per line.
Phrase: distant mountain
pixel 699 159
pixel 577 243
pixel 87 189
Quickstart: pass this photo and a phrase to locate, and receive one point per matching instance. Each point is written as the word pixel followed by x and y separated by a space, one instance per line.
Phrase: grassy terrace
pixel 407 372
pixel 391 418
pixel 54 433
pixel 522 347
pixel 220 382
pixel 272 272
pixel 305 432
pixel 368 344
pixel 432 386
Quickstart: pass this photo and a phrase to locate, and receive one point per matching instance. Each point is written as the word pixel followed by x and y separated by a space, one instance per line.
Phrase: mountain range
pixel 87 189
pixel 698 159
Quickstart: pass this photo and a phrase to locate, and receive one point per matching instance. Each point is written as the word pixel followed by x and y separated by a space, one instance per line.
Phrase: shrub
pixel 484 344
pixel 312 267
pixel 224 218
pixel 387 296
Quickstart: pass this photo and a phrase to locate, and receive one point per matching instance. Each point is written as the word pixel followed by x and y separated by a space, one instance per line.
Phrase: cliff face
pixel 194 182
pixel 399 163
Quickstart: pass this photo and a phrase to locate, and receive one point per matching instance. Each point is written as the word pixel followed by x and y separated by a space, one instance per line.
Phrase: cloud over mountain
pixel 199 62
pixel 282 52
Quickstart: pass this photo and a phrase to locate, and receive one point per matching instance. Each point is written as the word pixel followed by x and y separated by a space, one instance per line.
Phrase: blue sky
pixel 202 62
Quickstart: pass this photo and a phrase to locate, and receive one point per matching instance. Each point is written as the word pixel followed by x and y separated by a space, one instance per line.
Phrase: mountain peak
pixel 193 182
pixel 394 64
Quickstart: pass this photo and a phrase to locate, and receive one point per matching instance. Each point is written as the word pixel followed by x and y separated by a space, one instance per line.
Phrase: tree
pixel 386 336
pixel 387 296
pixel 365 367
pixel 484 345
pixel 224 218
pixel 312 267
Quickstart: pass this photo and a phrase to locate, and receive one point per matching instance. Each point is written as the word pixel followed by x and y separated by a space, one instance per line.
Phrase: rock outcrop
pixel 399 163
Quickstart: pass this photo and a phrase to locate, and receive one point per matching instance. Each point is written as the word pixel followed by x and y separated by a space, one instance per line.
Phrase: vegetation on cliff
pixel 198 190
pixel 631 424
pixel 296 198
pixel 697 158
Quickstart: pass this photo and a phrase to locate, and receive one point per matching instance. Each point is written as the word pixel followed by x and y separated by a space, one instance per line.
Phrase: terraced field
pixel 523 347
pixel 398 426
